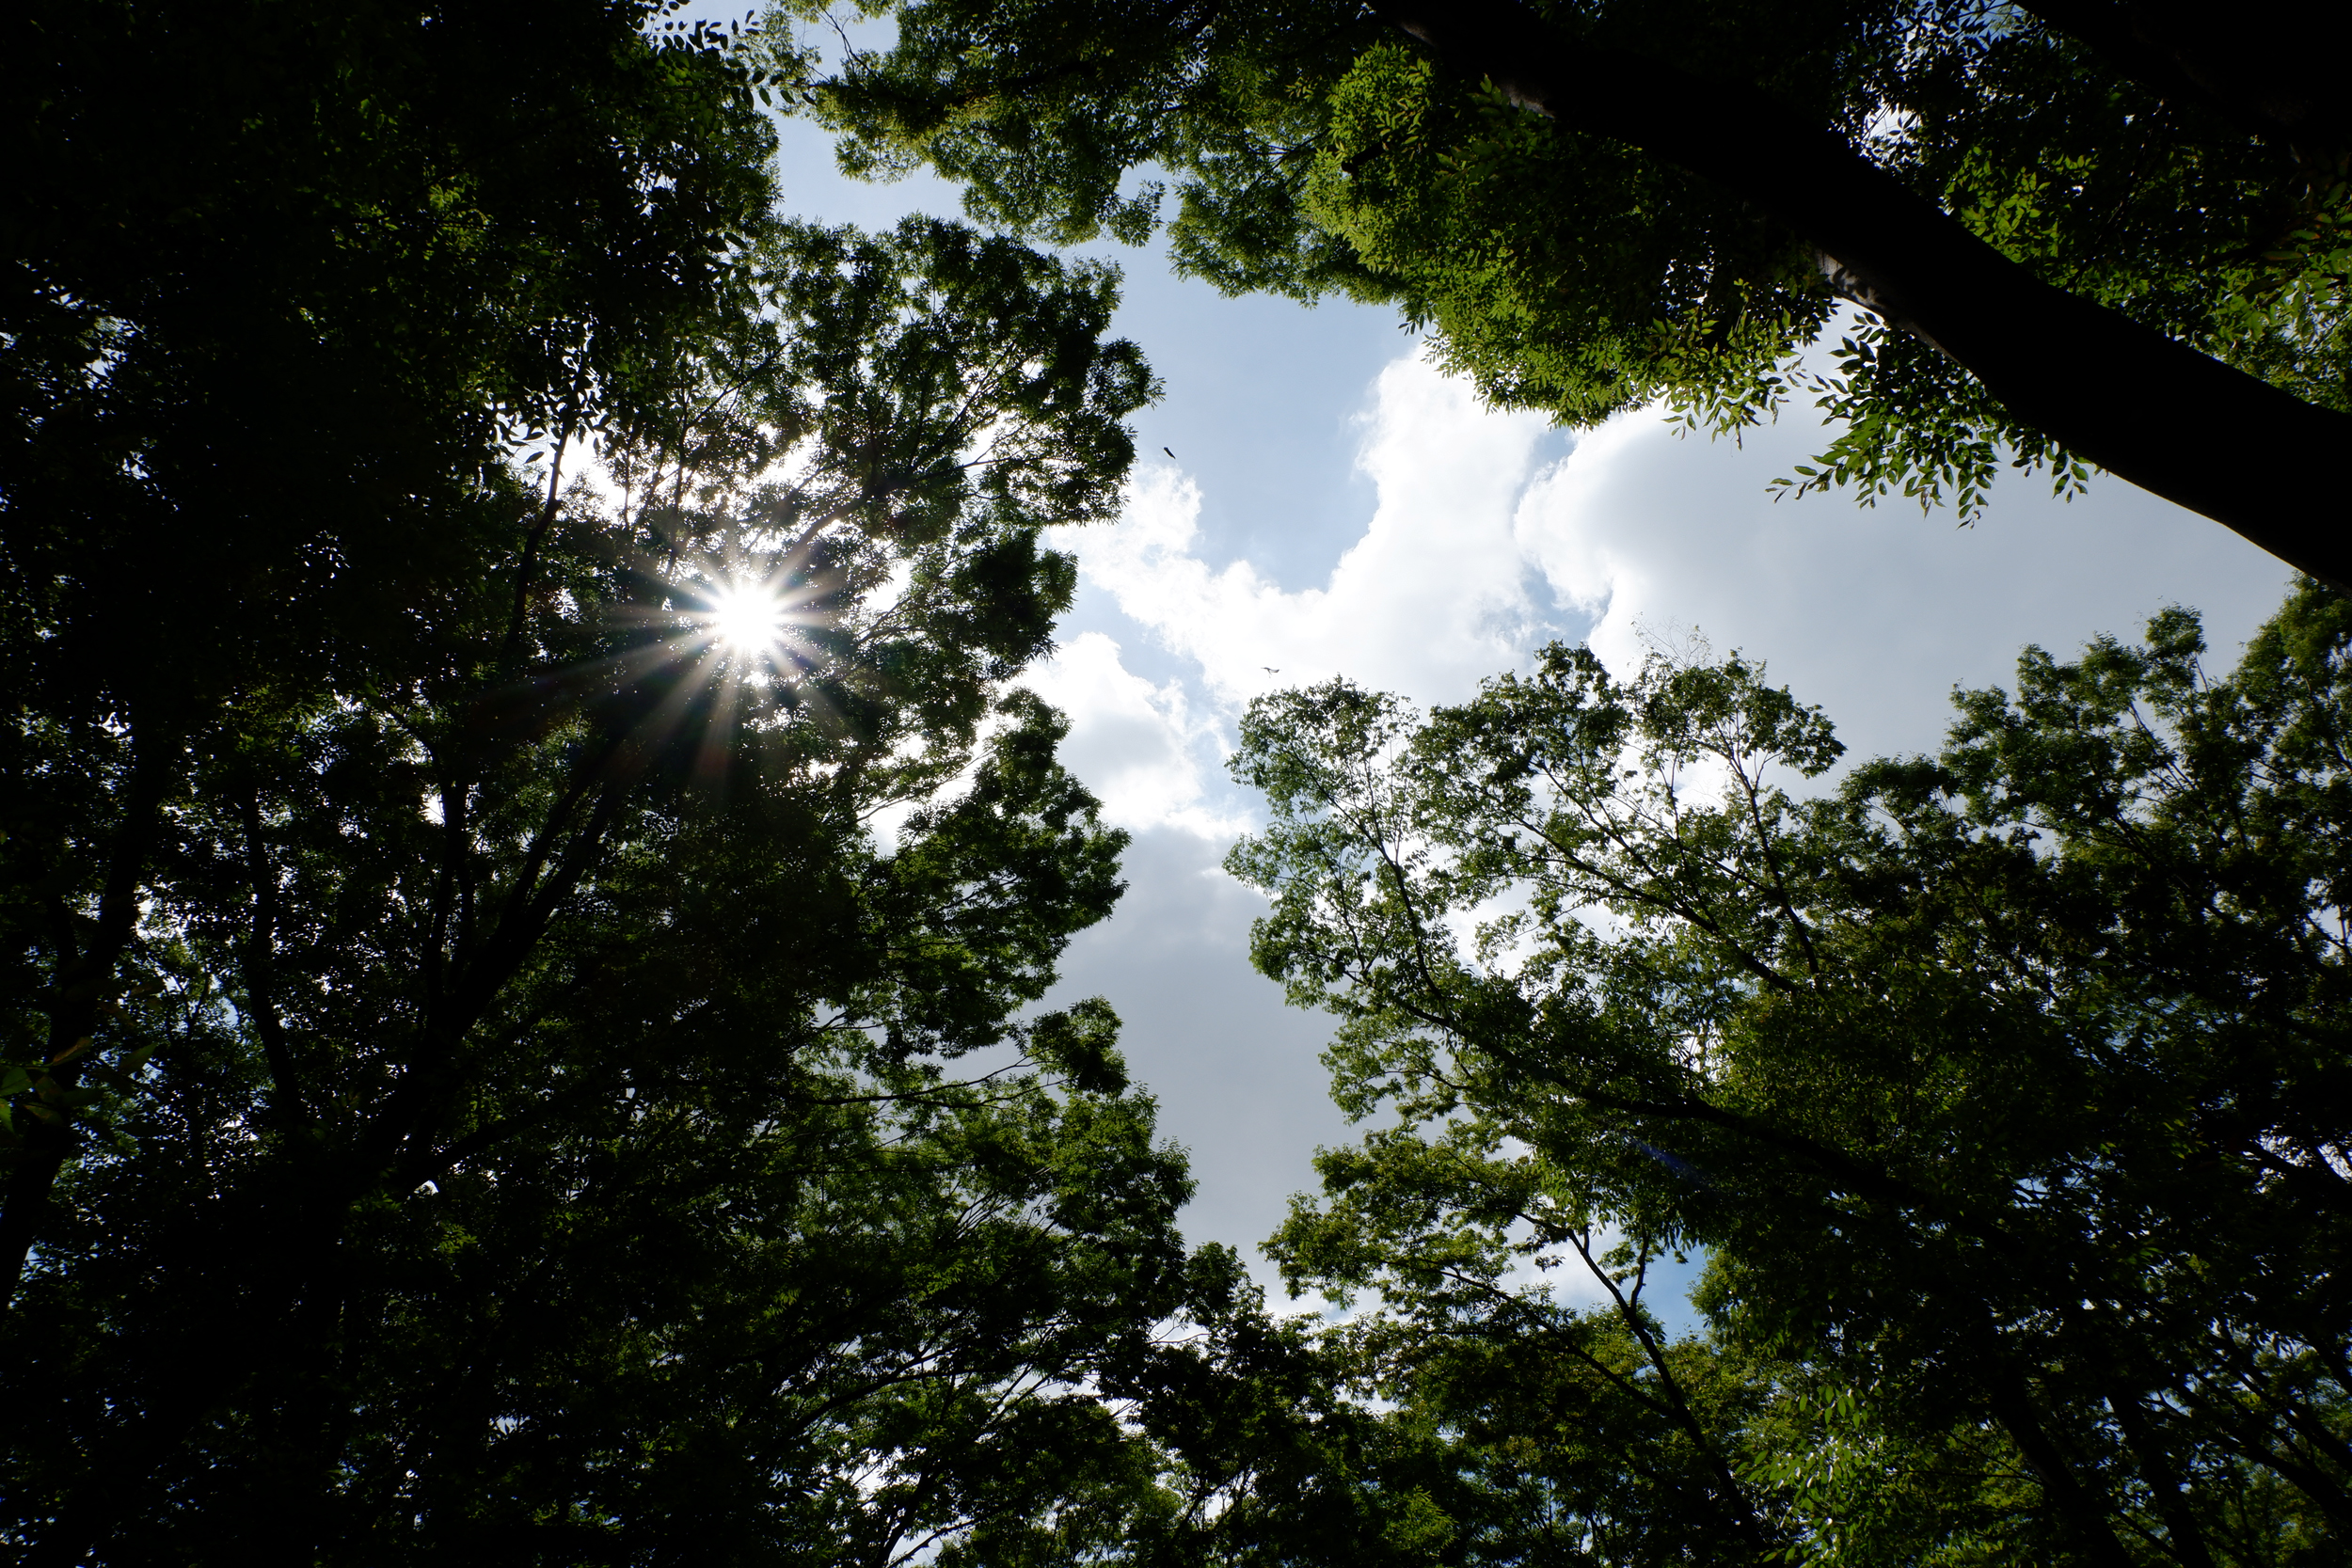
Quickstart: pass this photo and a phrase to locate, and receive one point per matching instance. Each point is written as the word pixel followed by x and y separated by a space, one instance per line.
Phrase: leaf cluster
pixel 2003 1090
pixel 495 1068
pixel 1314 149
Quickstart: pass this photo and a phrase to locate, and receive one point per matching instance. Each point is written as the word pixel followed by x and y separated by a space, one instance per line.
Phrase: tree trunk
pixel 2280 69
pixel 84 979
pixel 2156 412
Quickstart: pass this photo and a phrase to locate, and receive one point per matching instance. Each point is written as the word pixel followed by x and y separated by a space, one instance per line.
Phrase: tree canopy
pixel 2111 233
pixel 530 882
pixel 528 877
pixel 2005 1091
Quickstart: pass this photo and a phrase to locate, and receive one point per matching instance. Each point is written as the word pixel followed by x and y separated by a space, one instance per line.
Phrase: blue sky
pixel 1333 505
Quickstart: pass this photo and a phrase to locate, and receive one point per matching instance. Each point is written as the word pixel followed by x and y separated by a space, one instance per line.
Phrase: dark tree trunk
pixel 84 979
pixel 2131 400
pixel 2282 70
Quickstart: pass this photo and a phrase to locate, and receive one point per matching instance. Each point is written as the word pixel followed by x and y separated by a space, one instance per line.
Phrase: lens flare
pixel 747 617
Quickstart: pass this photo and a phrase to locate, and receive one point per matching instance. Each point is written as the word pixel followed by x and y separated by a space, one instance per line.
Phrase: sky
pixel 1315 499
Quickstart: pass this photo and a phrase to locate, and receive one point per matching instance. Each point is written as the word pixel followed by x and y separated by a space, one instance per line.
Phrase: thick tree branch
pixel 2124 396
pixel 2085 1513
pixel 2277 69
pixel 528 568
pixel 2183 1540
pixel 429 1078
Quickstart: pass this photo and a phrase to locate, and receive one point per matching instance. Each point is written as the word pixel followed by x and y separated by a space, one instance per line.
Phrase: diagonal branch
pixel 2281 76
pixel 2145 407
pixel 261 965
pixel 82 980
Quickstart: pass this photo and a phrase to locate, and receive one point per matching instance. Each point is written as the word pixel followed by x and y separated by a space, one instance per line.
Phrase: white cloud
pixel 1137 744
pixel 1473 553
pixel 1873 614
pixel 1431 596
pixel 1236 1072
pixel 1476 550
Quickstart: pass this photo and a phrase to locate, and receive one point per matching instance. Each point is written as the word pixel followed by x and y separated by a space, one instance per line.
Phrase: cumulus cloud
pixel 1434 594
pixel 1482 541
pixel 1237 1074
pixel 1874 613
pixel 1477 549
pixel 1139 746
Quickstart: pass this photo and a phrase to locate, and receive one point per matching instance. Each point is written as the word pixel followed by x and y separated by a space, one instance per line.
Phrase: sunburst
pixel 747 618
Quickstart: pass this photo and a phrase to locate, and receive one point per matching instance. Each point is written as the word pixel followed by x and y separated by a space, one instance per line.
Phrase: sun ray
pixel 735 651
pixel 748 617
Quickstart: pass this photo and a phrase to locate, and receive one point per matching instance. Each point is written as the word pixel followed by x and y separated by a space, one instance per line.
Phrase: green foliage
pixel 495 1067
pixel 1578 277
pixel 285 280
pixel 1312 150
pixel 2006 1091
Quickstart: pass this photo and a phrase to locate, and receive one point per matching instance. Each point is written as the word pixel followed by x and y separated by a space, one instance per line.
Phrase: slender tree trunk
pixel 2163 1479
pixel 2084 1515
pixel 2151 410
pixel 83 980
pixel 1730 1493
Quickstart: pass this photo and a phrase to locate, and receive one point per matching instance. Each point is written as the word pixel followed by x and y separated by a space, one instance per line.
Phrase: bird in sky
pixel 1172 456
pixel 1269 669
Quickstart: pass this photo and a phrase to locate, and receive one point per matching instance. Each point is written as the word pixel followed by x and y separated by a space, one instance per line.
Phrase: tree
pixel 2007 1091
pixel 1571 1431
pixel 520 1030
pixel 541 1075
pixel 285 285
pixel 2045 236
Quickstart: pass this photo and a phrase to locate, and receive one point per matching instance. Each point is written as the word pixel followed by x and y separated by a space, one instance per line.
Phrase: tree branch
pixel 1735 1498
pixel 260 953
pixel 80 983
pixel 2279 76
pixel 2148 409
pixel 528 565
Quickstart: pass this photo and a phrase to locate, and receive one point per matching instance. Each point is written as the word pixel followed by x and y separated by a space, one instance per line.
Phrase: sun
pixel 747 617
